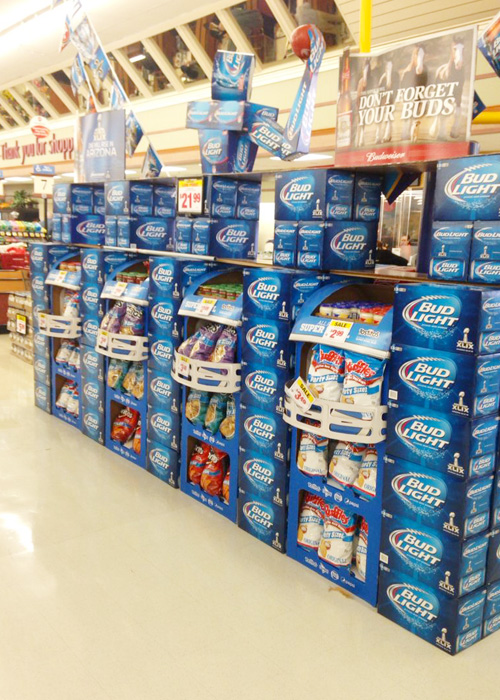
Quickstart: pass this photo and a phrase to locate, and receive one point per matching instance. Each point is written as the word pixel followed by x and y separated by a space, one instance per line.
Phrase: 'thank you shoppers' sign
pixel 410 103
pixel 101 146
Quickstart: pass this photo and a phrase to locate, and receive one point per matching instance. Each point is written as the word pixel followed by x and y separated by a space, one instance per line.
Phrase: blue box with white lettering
pixel 262 519
pixel 464 385
pixel 91 305
pixel 492 604
pixel 218 150
pixel 449 624
pixel 41 368
pixel 310 245
pixel 448 443
pixel 445 502
pixel 485 272
pixel 303 285
pixel 285 243
pixel 99 200
pixel 56 227
pixel 350 245
pixel 162 315
pixel 182 234
pixel 266 342
pixel 43 257
pixel 215 114
pixel 164 427
pixel 264 432
pixel 222 195
pixel 267 293
pixel 111 232
pixel 163 392
pixel 339 195
pixel 128 198
pixel 42 397
pixel 493 570
pixel 61 198
pixel 201 236
pixel 39 290
pixel 41 344
pixel 98 264
pixel 452 270
pixel 66 228
pixel 468 189
pixel 300 195
pixel 232 74
pixel 161 355
pixel 88 228
pixel 263 476
pixel 233 238
pixel 367 193
pixel 164 201
pixel 147 232
pixel 90 330
pixel 163 463
pixel 263 387
pixel 434 557
pixel 82 199
pixel 454 318
pixel 248 200
pixel 451 240
pixel 93 393
pixel 486 242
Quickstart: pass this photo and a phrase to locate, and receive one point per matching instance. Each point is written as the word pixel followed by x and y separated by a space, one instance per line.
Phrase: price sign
pixel 120 288
pixel 21 324
pixel 337 330
pixel 42 320
pixel 102 339
pixel 205 306
pixel 190 196
pixel 183 366
pixel 61 276
pixel 301 395
pixel 43 185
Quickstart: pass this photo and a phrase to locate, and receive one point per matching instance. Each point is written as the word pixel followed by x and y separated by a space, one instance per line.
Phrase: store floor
pixel 113 586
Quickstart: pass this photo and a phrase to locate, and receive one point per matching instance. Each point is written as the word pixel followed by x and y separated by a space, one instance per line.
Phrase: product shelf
pixel 56 326
pixel 216 377
pixel 122 347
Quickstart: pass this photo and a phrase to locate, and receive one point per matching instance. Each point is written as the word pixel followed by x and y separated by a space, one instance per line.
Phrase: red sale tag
pixel 301 395
pixel 190 196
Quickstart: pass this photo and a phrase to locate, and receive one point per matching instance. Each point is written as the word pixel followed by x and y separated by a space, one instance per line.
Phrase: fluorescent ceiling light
pixel 18 179
pixel 137 57
pixel 67 174
pixel 130 172
pixel 308 156
pixel 174 168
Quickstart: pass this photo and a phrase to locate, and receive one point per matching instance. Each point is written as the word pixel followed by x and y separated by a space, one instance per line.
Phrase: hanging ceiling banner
pixel 407 104
pixel 101 147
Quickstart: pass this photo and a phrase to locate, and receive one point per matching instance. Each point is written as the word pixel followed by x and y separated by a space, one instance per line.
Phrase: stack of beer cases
pixel 168 279
pixel 326 219
pixel 465 241
pixel 78 214
pixel 271 300
pixel 233 207
pixel 440 462
pixel 140 214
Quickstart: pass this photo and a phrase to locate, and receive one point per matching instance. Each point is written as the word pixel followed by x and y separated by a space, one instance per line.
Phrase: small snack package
pixel 225 348
pixel 228 425
pixel 124 425
pixel 64 352
pixel 70 303
pixel 215 412
pixel 138 387
pixel 213 474
pixel 225 486
pixel 196 406
pixel 74 358
pixel 326 372
pixel 113 318
pixel 187 345
pixel 204 345
pixel 64 394
pixel 198 461
pixel 361 549
pixel 117 370
pixel 365 483
pixel 346 462
pixel 336 545
pixel 73 404
pixel 363 379
pixel 136 446
pixel 311 521
pixel 133 320
pixel 312 458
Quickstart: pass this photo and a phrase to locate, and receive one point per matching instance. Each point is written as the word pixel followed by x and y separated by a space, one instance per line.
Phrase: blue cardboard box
pixel 285 243
pixel 42 396
pixel 39 290
pixel 468 189
pixel 367 192
pixel 267 293
pixel 263 476
pixel 163 427
pixel 233 238
pixel 304 284
pixel 444 502
pixel 451 240
pixel 111 233
pixel 164 201
pixel 339 195
pixel 262 519
pixel 493 570
pixel 310 245
pixel 300 195
pixel 41 344
pixel 56 227
pixel 92 364
pixel 486 241
pixel 350 245
pixel 485 272
pixel 91 305
pixel 201 236
pixel 264 432
pixel 163 392
pixel 222 196
pixel 161 355
pixel 164 278
pixel 163 463
pixel 148 232
pixel 162 315
pixel 99 201
pixel 61 198
pixel 248 200
pixel 219 150
pixel 263 387
pixel 92 394
pixel 41 368
pixel 444 269
pixel 88 228
pixel 66 228
pixel 266 342
pixel 492 604
pixel 215 114
pixel 97 265
pixel 129 198
pixel 90 329
pixel 82 199
pixel 93 424
pixel 232 74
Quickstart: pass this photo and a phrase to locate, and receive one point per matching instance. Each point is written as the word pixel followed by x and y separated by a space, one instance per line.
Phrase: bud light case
pixel 454 270
pixel 92 393
pixel 99 200
pixel 161 355
pixel 56 227
pixel 285 243
pixel 183 230
pixel 42 396
pixel 262 519
pixel 93 424
pixel 233 238
pixel 451 240
pixel 449 624
pixel 97 265
pixel 468 189
pixel 163 391
pixel 41 344
pixel 350 245
pixel 310 245
pixel 485 272
pixel 264 432
pixel 66 228
pixel 232 74
pixel 263 476
pixel 492 605
pixel 248 195
pixel 486 242
pixel 215 114
pixel 444 502
pixel 90 330
pixel 111 232
pixel 88 228
pixel 493 570
pixel 147 232
pixel 267 293
pixel 300 195
pixel 339 195
pixel 162 315
pixel 91 305
pixel 367 193
pixel 266 343
pixel 41 368
pixel 263 387
pixel 448 443
pixel 82 199
pixel 218 150
pixel 163 427
pixel 128 198
pixel 61 198
pixel 163 463
pixel 222 194
pixel 164 201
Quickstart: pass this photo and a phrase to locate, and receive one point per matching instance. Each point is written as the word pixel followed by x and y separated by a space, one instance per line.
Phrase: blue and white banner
pixel 102 146
pixel 100 68
pixel 78 76
pixel 118 97
pixel 152 164
pixel 134 134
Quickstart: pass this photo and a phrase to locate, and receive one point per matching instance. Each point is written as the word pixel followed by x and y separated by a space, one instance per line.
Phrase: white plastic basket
pixel 216 377
pixel 59 326
pixel 122 347
pixel 367 426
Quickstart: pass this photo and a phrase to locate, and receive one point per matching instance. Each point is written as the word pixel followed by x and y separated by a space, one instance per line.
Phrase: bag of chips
pixel 124 425
pixel 198 461
pixel 366 480
pixel 228 425
pixel 133 320
pixel 64 352
pixel 64 394
pixel 311 520
pixel 204 345
pixel 213 474
pixel 363 379
pixel 361 550
pixel 225 486
pixel 133 381
pixel 117 370
pixel 225 348
pixel 336 545
pixel 113 318
pixel 137 439
pixel 70 303
pixel 187 345
pixel 312 458
pixel 215 412
pixel 74 358
pixel 73 404
pixel 326 372
pixel 196 406
pixel 346 462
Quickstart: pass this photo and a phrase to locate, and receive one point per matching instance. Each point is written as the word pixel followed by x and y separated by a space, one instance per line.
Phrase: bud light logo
pixel 490 342
pixel 445 234
pixel 234 64
pixel 233 236
pixel 474 186
pixel 350 243
pixel 40 342
pixel 261 430
pixel 91 229
pixel 91 422
pixel 489 271
pixel 41 394
pixel 90 264
pixel 242 155
pixel 90 361
pixel 162 352
pixel 487 404
pixel 37 257
pixel 40 367
pixel 487 235
pixel 151 231
pixel 162 314
pixel 37 285
pixel 263 339
pixel 424 435
pixel 491 306
pixel 471 606
pixel 260 516
pixel 199 112
pixel 91 328
pixel 262 385
pixel 161 389
pixel 163 276
pixel 265 292
pixel 419 550
pixel 159 459
pixel 446 268
pixel 423 494
pixel 306 285
pixel 162 423
pixel 60 197
pixel 484 430
pixel 260 473
pixel 417 606
pixel 90 297
pixel 298 193
pixel 433 316
pixel 429 377
pixel 91 393
pixel 212 151
pixel 115 195
pixel 248 212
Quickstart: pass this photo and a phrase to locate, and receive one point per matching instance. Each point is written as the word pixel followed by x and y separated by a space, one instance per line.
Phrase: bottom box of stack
pixel 163 463
pixel 93 393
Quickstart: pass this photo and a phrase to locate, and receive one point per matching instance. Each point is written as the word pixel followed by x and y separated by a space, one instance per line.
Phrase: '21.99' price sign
pixel 190 196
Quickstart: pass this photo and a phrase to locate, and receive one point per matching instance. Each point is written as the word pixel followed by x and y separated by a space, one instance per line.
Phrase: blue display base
pixel 67 417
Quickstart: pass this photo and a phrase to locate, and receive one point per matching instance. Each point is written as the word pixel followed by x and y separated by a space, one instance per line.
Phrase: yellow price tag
pixel 301 395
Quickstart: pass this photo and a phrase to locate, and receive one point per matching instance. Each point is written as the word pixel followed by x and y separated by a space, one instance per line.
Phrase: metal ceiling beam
pixel 11 111
pixel 163 63
pixel 60 92
pixel 22 102
pixel 44 101
pixel 237 35
pixel 132 72
pixel 283 16
pixel 202 57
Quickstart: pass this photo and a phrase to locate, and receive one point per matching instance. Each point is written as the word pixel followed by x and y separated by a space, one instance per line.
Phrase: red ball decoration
pixel 300 41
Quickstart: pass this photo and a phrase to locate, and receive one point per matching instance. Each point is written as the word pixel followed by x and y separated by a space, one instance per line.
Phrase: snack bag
pixel 215 412
pixel 366 480
pixel 137 439
pixel 74 358
pixel 204 345
pixel 336 544
pixel 361 549
pixel 213 474
pixel 133 320
pixel 138 387
pixel 113 318
pixel 70 303
pixel 124 425
pixel 346 462
pixel 199 457
pixel 64 352
pixel 117 370
pixel 73 404
pixel 225 348
pixel 225 486
pixel 326 372
pixel 311 521
pixel 187 345
pixel 312 458
pixel 363 379
pixel 64 394
pixel 196 406
pixel 228 425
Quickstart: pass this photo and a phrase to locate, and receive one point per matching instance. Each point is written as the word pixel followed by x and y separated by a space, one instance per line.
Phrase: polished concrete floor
pixel 114 586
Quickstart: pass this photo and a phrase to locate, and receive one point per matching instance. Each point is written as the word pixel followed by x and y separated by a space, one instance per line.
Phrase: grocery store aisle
pixel 114 586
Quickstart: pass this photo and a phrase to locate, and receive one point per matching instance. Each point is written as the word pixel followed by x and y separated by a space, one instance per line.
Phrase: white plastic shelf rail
pixel 216 377
pixel 59 326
